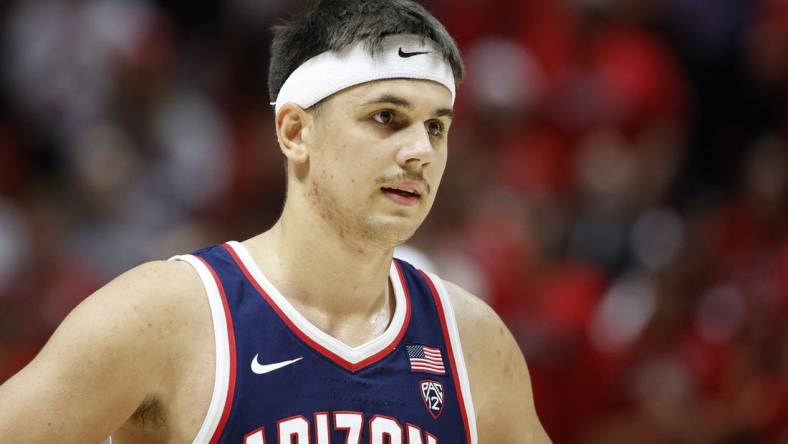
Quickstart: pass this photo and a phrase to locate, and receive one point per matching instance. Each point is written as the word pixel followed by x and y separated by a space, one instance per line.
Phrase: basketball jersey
pixel 281 380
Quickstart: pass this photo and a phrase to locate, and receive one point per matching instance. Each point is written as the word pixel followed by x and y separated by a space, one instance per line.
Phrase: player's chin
pixel 394 230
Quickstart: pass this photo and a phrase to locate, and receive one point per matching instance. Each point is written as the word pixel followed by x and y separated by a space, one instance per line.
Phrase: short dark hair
pixel 330 25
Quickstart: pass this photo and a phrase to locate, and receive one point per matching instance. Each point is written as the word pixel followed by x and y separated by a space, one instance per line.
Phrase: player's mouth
pixel 402 196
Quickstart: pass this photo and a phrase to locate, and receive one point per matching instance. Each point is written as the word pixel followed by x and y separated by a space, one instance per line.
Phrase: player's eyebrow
pixel 444 112
pixel 403 103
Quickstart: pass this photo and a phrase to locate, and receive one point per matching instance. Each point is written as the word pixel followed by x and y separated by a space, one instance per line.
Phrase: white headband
pixel 400 56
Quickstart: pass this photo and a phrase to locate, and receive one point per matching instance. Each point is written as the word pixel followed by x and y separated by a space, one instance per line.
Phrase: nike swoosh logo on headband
pixel 405 55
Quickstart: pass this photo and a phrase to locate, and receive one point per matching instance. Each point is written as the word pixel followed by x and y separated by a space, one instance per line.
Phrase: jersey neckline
pixel 351 358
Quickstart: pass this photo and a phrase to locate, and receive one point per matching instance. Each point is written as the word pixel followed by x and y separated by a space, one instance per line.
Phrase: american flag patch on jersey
pixel 425 359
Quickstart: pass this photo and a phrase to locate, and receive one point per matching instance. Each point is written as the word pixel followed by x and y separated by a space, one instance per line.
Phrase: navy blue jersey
pixel 281 380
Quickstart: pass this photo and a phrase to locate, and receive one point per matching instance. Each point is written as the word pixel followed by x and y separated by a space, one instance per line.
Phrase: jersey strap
pixel 451 335
pixel 224 337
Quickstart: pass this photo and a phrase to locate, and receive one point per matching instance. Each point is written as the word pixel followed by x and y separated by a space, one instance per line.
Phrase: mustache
pixel 416 177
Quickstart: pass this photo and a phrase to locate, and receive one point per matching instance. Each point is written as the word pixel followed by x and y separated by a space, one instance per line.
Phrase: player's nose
pixel 417 148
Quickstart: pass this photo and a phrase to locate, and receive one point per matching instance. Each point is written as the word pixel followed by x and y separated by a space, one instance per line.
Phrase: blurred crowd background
pixel 616 188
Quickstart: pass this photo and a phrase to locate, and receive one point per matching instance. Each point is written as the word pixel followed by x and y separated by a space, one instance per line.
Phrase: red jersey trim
pixel 228 403
pixel 347 365
pixel 452 361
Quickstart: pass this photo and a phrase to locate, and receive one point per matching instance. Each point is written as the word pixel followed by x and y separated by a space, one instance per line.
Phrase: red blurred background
pixel 616 189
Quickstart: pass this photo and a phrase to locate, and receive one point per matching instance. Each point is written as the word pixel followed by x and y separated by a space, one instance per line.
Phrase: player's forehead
pixel 416 94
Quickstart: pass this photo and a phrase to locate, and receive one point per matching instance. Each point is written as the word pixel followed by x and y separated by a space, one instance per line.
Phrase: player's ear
pixel 293 125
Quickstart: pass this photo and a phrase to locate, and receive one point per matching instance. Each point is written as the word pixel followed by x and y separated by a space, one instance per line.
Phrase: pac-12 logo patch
pixel 432 395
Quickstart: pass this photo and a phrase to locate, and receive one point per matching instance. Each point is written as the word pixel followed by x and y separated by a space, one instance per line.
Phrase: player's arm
pixel 500 383
pixel 107 356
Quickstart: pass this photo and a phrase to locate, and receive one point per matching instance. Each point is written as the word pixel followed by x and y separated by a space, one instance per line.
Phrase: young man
pixel 309 332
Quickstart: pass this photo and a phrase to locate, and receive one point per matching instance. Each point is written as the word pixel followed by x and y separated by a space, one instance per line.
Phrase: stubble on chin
pixel 359 228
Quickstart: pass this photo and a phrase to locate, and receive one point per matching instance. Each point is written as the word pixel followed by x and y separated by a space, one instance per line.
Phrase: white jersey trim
pixel 222 375
pixel 459 359
pixel 353 355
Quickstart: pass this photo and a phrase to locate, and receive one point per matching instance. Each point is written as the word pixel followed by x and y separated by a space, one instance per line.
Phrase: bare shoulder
pixel 474 317
pixel 159 291
pixel 500 383
pixel 108 355
pixel 151 303
pixel 482 332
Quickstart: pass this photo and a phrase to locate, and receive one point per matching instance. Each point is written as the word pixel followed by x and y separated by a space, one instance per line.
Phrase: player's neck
pixel 313 267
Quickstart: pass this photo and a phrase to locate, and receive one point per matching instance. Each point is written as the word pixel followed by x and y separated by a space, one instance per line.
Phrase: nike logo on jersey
pixel 405 55
pixel 262 369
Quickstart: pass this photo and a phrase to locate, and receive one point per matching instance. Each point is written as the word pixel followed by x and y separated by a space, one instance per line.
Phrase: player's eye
pixel 384 117
pixel 435 128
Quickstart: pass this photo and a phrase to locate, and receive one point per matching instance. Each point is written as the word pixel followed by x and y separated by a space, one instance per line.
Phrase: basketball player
pixel 309 332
